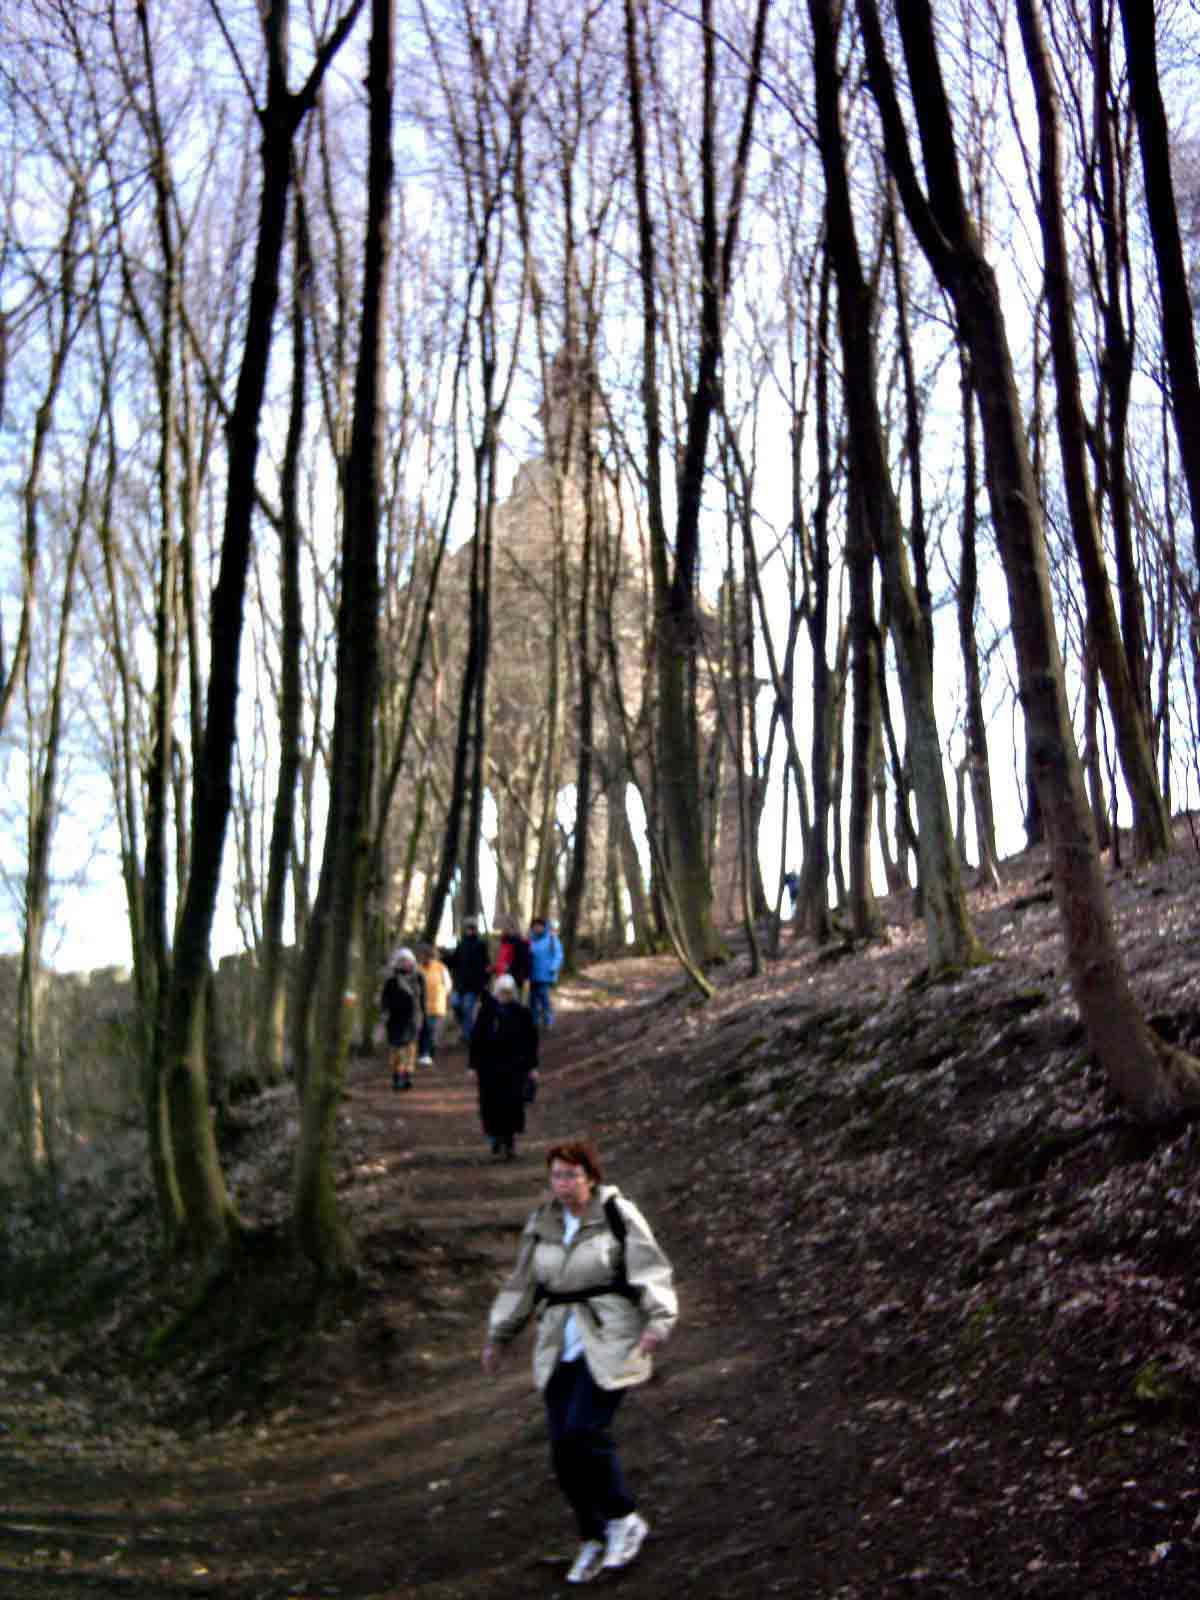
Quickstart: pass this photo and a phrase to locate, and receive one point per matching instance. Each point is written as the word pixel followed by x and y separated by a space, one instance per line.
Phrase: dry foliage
pixel 939 1330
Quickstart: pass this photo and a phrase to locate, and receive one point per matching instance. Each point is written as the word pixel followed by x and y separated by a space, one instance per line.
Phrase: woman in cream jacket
pixel 604 1304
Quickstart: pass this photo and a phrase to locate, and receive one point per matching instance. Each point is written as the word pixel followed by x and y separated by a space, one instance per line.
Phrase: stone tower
pixel 539 535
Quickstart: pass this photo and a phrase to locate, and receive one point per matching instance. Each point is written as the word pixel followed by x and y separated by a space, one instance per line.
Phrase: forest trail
pixel 938 1308
pixel 393 1468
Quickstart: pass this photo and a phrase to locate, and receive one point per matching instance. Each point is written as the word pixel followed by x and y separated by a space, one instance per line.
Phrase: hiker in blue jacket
pixel 546 959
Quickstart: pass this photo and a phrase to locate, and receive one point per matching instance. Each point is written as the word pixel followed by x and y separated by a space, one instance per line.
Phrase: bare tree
pixel 208 1215
pixel 1112 293
pixel 866 668
pixel 1178 330
pixel 951 940
pixel 329 956
pixel 483 131
pixel 675 563
pixel 813 903
pixel 976 755
pixel 1152 1078
pixel 270 1009
pixel 1151 824
pixel 45 737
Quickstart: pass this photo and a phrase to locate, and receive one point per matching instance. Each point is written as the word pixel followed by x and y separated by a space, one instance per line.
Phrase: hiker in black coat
pixel 504 1057
pixel 403 1005
pixel 470 965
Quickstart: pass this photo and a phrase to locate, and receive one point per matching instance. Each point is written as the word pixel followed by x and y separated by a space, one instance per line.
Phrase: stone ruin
pixel 538 545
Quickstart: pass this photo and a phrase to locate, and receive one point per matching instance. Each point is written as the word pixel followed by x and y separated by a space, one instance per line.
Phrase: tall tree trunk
pixel 391 777
pixel 918 538
pixel 451 850
pixel 1153 1079
pixel 1178 322
pixel 208 1212
pixel 271 1006
pixel 481 625
pixel 739 631
pixel 1116 358
pixel 951 940
pixel 979 773
pixel 43 779
pixel 155 879
pixel 1093 767
pixel 44 804
pixel 1152 833
pixel 683 852
pixel 586 723
pixel 865 667
pixel 321 1230
pixel 812 905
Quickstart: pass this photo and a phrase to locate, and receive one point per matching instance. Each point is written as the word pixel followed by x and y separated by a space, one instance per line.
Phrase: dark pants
pixel 428 1038
pixel 580 1415
pixel 539 1003
pixel 464 1007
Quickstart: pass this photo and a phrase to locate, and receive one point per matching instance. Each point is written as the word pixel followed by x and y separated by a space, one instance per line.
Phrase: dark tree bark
pixel 865 668
pixel 586 721
pixel 1093 765
pixel 1178 322
pixel 978 766
pixel 738 628
pixel 951 940
pixel 320 1228
pixel 1110 286
pixel 1151 829
pixel 918 536
pixel 812 907
pixel 1153 1079
pixel 271 1006
pixel 63 324
pixel 487 150
pixel 208 1212
pixel 675 581
pixel 34 1125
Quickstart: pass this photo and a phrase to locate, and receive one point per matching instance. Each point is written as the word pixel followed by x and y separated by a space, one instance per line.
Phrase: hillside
pixel 939 1333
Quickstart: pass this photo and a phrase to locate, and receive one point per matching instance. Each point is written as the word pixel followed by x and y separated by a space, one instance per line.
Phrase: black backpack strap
pixel 620 1283
pixel 616 1221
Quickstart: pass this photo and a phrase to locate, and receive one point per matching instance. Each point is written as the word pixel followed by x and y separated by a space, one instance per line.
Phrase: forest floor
pixel 939 1306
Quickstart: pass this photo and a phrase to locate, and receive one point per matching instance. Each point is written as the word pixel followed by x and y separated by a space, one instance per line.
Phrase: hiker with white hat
pixel 504 1058
pixel 403 1005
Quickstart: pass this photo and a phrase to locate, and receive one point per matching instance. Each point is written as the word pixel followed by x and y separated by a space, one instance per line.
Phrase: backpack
pixel 520 964
pixel 619 1284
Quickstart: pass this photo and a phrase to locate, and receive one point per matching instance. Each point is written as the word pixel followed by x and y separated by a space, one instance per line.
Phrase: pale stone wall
pixel 530 534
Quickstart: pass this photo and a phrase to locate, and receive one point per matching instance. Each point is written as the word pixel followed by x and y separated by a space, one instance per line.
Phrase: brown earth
pixel 939 1307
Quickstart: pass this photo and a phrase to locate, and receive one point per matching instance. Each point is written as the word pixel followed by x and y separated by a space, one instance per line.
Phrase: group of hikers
pixel 589 1269
pixel 500 1004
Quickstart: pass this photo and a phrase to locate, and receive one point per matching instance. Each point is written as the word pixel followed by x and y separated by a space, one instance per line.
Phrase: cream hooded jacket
pixel 611 1325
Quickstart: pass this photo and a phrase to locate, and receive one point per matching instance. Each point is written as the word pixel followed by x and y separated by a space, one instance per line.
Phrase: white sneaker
pixel 623 1539
pixel 424 1061
pixel 588 1563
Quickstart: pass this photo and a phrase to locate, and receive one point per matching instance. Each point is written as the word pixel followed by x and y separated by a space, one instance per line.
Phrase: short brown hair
pixel 577 1153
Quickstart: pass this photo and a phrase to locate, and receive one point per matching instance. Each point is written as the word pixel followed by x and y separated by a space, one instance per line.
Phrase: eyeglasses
pixel 567 1175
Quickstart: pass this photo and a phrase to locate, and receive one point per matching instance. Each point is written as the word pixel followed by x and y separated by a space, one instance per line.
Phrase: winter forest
pixel 614 450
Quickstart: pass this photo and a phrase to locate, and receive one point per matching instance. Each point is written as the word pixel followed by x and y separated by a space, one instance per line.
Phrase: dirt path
pixel 392 1468
pixel 906 1364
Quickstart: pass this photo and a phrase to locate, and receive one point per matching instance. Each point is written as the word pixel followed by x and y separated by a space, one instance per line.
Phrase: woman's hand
pixel 489 1359
pixel 650 1342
